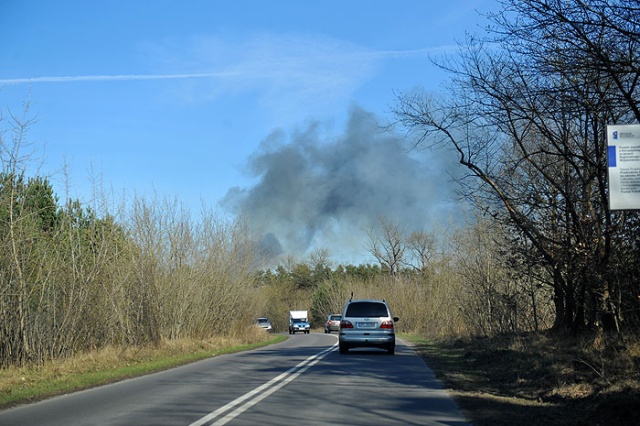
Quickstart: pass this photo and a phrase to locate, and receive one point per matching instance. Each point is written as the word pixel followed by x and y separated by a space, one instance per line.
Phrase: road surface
pixel 302 381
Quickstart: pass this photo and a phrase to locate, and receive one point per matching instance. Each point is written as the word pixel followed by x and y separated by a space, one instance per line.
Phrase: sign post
pixel 623 155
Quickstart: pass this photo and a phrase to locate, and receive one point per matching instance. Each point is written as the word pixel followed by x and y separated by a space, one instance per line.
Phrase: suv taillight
pixel 387 325
pixel 345 324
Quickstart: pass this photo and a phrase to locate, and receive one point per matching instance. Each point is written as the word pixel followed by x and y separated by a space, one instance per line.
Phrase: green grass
pixel 22 385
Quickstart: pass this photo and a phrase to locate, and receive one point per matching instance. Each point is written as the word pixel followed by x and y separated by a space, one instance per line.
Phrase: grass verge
pixel 108 365
pixel 537 379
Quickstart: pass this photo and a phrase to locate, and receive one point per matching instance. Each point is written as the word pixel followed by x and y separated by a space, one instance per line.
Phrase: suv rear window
pixel 366 309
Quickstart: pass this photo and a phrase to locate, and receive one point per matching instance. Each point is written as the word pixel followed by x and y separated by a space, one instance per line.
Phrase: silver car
pixel 333 323
pixel 263 323
pixel 368 324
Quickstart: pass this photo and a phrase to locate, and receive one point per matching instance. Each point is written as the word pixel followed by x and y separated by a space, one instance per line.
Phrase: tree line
pixel 466 284
pixel 76 277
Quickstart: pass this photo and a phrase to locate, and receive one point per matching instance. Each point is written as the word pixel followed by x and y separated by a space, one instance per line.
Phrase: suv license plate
pixel 366 324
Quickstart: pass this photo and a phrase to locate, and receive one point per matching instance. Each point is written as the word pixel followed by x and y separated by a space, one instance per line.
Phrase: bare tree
pixel 421 245
pixel 527 119
pixel 19 229
pixel 387 244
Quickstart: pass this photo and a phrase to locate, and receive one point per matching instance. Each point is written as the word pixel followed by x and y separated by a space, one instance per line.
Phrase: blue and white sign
pixel 624 166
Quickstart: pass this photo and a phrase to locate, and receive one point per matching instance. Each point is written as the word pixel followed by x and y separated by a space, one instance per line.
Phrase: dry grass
pixel 539 379
pixel 110 364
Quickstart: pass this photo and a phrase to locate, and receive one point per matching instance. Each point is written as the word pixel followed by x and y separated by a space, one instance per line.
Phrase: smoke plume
pixel 317 191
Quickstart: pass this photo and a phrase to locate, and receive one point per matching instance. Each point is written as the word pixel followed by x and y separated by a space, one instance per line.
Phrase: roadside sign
pixel 623 156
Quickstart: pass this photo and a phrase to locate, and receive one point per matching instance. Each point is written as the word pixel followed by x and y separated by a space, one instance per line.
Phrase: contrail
pixel 374 55
pixel 122 77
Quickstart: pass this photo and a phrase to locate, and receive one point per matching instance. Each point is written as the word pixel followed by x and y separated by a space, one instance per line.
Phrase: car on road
pixel 333 323
pixel 368 324
pixel 299 325
pixel 264 323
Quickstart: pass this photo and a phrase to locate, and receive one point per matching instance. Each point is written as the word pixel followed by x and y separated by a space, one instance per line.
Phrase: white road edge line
pixel 275 384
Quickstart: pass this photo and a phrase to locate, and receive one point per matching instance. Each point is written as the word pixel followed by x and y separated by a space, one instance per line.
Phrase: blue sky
pixel 239 104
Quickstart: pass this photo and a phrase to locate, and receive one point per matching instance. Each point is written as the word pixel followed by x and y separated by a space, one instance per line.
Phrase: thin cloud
pixel 280 71
pixel 415 52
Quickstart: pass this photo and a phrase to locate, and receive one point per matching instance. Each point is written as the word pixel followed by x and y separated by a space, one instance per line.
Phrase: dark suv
pixel 369 324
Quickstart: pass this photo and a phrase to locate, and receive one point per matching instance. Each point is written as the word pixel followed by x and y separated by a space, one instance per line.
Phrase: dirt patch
pixel 539 379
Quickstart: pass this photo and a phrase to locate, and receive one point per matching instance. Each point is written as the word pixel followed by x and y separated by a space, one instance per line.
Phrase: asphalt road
pixel 303 381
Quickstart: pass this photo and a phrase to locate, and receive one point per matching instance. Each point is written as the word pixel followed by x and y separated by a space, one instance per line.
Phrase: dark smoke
pixel 322 192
